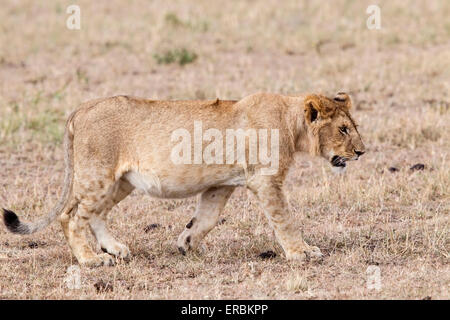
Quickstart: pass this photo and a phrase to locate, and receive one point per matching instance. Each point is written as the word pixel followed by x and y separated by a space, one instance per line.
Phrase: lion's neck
pixel 296 119
pixel 302 143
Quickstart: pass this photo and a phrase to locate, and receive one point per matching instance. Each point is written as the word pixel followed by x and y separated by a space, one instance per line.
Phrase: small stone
pixel 32 245
pixel 102 286
pixel 151 227
pixel 267 255
pixel 393 169
pixel 417 167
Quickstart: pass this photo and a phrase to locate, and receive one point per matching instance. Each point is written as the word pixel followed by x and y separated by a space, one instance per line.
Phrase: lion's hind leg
pixel 75 228
pixel 210 205
pixel 95 197
pixel 98 222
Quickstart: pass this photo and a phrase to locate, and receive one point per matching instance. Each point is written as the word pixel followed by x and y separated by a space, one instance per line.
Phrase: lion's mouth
pixel 337 161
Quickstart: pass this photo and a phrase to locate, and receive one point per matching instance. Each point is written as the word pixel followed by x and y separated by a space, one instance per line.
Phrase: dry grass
pixel 399 77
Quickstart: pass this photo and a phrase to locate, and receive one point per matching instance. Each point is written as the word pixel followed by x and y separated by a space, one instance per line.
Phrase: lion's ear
pixel 344 99
pixel 315 108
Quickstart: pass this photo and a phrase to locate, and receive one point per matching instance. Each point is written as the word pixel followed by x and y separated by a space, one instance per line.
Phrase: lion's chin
pixel 338 170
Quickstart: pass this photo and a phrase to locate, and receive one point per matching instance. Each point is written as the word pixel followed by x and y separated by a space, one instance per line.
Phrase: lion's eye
pixel 343 130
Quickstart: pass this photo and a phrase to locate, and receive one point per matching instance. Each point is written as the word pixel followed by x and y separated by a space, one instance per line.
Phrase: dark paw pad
pixel 189 225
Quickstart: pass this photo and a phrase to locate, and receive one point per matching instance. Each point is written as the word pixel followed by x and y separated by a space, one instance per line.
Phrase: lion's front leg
pixel 210 205
pixel 269 193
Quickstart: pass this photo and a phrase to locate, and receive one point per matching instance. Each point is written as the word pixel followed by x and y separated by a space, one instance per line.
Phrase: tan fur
pixel 123 142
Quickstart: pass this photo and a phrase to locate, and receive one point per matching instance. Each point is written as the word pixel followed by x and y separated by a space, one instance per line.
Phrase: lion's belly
pixel 160 185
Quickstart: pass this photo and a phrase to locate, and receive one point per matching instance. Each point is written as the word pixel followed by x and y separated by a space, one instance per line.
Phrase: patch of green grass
pixel 82 76
pixel 173 20
pixel 392 40
pixel 180 56
pixel 165 58
pixel 10 124
pixel 58 8
pixel 18 125
pixel 47 126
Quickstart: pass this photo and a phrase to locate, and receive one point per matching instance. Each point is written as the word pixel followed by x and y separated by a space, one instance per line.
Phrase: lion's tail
pixel 11 220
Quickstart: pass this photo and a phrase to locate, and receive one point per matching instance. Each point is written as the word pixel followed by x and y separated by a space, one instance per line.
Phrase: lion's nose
pixel 359 153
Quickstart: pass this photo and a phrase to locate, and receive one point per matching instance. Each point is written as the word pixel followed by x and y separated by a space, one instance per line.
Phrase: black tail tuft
pixel 12 221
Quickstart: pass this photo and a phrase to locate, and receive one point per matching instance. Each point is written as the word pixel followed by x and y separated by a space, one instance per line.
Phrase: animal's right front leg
pixel 275 207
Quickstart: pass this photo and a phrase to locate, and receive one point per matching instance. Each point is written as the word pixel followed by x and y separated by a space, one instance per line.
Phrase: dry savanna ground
pixel 374 215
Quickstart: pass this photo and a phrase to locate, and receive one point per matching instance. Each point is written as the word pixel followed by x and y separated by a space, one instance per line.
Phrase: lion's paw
pixel 118 250
pixel 311 253
pixel 98 260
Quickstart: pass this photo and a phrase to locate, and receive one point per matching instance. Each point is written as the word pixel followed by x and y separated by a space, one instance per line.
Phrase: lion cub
pixel 175 149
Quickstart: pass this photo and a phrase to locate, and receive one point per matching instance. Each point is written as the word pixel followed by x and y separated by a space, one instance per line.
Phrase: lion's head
pixel 332 132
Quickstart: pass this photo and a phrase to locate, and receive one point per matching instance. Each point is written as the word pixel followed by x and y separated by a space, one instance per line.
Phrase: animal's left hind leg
pixel 98 225
pixel 210 205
